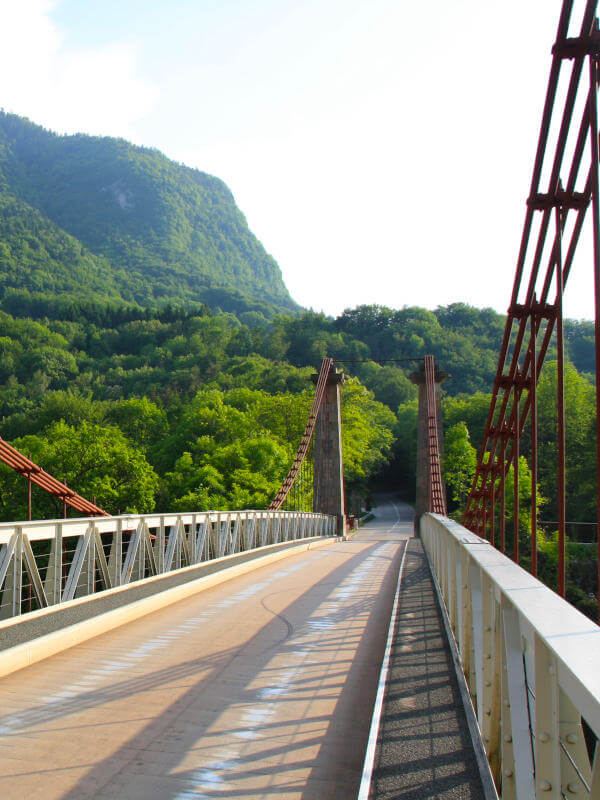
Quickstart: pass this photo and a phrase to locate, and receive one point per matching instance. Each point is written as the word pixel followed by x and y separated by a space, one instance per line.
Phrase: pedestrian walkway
pixel 424 747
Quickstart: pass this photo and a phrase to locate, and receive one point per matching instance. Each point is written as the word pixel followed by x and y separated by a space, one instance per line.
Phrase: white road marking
pixel 365 784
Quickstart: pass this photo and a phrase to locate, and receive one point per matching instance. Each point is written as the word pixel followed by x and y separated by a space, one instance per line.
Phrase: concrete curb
pixel 23 655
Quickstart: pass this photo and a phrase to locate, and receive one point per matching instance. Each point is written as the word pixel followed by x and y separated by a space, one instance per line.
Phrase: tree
pixel 470 409
pixel 95 461
pixel 141 420
pixel 580 414
pixel 367 435
pixel 460 460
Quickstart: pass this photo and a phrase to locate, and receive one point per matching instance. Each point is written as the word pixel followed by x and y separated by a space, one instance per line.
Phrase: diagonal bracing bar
pixel 28 469
pixel 564 186
pixel 290 478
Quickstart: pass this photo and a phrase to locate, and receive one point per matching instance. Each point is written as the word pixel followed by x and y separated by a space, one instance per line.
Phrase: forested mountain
pixel 92 216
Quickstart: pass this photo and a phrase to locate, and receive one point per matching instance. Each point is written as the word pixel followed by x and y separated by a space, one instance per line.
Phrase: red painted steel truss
pixel 34 474
pixel 563 187
pixel 290 478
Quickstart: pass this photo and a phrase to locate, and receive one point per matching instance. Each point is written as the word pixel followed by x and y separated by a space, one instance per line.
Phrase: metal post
pixel 29 497
pixel 515 460
pixel 596 228
pixel 493 507
pixel 560 391
pixel 63 561
pixel 534 433
pixel 503 493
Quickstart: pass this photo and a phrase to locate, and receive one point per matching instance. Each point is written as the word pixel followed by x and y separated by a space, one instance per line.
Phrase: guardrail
pixel 53 561
pixel 531 662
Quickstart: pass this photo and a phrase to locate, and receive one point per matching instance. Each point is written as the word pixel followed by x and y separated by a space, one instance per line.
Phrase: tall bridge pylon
pixel 324 421
pixel 328 497
pixel 430 491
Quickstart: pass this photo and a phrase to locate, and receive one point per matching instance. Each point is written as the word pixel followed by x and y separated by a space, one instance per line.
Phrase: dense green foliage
pixel 97 459
pixel 152 372
pixel 92 216
pixel 213 404
pixel 460 459
pixel 170 409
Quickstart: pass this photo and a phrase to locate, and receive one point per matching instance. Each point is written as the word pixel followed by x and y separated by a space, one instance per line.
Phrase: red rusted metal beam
pixel 595 156
pixel 586 29
pixel 290 478
pixel 532 321
pixel 534 433
pixel 516 456
pixel 35 474
pixel 560 405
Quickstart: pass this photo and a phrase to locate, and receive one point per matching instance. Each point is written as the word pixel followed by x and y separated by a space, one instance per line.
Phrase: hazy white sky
pixel 381 150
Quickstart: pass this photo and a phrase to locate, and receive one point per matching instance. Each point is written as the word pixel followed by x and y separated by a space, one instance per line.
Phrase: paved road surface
pixel 262 687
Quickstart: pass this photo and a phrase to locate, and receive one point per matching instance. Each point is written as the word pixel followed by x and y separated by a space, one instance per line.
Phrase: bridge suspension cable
pixel 563 187
pixel 10 456
pixel 299 458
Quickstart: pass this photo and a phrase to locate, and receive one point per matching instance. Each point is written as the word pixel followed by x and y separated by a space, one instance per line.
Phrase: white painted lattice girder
pixel 82 556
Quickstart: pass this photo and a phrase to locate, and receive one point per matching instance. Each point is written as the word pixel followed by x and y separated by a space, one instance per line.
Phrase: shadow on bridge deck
pixel 424 746
pixel 259 688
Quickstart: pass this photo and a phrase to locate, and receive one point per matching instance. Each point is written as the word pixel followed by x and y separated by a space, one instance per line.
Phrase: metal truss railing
pixel 48 562
pixel 531 664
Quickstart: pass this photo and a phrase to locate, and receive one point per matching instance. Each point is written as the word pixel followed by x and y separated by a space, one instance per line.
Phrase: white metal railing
pixel 532 664
pixel 47 562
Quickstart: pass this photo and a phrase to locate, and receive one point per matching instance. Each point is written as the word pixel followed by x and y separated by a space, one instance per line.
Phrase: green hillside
pixel 101 217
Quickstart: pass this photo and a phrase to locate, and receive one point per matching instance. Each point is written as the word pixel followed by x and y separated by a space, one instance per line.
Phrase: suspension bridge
pixel 281 653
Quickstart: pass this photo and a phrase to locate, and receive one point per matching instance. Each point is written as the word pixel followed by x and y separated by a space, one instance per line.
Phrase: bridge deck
pixel 261 687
